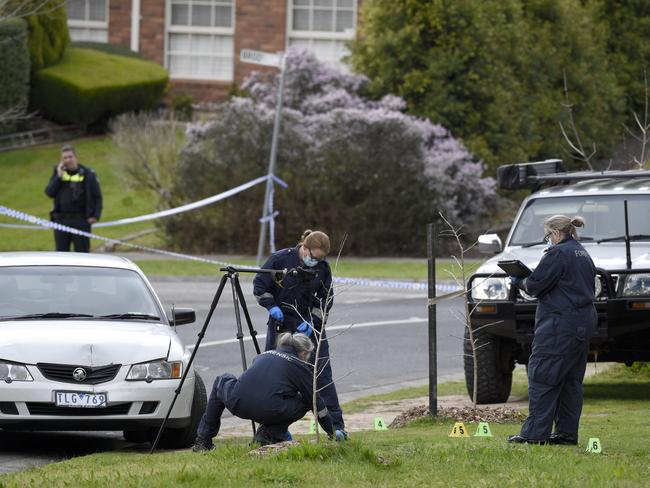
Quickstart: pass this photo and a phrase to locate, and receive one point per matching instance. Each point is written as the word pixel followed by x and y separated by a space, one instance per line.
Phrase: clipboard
pixel 515 268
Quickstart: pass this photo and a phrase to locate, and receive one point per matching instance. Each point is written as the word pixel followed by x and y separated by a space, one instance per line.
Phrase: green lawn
pixel 616 411
pixel 24 174
pixel 347 267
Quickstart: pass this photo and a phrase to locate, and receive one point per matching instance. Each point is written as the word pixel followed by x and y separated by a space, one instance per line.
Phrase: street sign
pixel 260 57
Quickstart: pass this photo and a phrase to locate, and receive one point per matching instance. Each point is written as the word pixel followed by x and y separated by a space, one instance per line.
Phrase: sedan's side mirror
pixel 489 244
pixel 183 316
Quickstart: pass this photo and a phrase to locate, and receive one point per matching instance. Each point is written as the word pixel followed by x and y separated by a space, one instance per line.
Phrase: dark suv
pixel 616 207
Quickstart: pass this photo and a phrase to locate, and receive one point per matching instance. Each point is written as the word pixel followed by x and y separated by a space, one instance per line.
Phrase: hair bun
pixel 578 222
pixel 305 234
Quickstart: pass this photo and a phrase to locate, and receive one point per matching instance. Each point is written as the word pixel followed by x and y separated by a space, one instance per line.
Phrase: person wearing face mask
pixel 565 320
pixel 300 301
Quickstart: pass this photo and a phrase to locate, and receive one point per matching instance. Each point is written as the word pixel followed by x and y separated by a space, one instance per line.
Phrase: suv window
pixel 604 216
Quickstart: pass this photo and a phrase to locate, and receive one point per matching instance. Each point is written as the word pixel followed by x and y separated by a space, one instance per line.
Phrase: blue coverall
pixel 275 392
pixel 565 320
pixel 301 296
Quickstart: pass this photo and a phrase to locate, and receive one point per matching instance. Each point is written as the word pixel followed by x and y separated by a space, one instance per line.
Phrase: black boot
pixel 201 444
pixel 562 439
pixel 518 439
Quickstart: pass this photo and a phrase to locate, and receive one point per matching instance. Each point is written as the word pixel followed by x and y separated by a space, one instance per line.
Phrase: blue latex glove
pixel 514 281
pixel 276 313
pixel 305 328
pixel 341 435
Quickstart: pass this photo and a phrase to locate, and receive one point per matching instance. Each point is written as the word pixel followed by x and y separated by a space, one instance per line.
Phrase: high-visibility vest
pixel 78 178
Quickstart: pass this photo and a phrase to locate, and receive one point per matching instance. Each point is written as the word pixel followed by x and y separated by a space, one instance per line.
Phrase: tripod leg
pixel 240 333
pixel 177 392
pixel 242 301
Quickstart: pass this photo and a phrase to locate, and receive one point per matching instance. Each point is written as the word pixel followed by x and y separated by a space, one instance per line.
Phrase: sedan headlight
pixel 14 372
pixel 636 285
pixel 490 288
pixel 155 370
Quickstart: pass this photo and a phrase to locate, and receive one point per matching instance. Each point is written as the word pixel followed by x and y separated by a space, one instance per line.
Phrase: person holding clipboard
pixel 564 284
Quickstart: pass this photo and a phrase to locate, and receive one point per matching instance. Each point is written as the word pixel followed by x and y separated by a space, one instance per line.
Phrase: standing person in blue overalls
pixel 564 283
pixel 300 302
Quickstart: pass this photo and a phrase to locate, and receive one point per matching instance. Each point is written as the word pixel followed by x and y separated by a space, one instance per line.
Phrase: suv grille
pixel 63 373
pixel 51 409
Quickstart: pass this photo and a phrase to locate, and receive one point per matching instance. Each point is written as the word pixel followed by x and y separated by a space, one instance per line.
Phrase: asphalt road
pixel 378 336
pixel 378 343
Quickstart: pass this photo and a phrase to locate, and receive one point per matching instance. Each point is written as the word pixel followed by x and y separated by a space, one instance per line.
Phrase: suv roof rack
pixel 552 171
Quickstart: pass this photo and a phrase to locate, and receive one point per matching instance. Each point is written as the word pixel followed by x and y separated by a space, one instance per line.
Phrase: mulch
pixel 497 415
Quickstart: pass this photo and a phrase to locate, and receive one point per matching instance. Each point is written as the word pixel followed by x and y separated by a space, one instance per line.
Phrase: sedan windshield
pixel 72 292
pixel 604 218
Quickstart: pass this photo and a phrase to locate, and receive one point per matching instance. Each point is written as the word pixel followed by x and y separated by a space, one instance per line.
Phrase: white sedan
pixel 86 345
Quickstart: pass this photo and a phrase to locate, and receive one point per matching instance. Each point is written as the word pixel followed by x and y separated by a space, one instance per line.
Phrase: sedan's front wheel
pixel 184 437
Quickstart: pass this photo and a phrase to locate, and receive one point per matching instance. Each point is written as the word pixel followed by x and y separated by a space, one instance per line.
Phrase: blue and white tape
pixel 46 224
pixel 173 211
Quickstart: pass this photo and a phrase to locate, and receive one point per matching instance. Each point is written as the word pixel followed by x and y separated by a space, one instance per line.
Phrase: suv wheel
pixel 495 363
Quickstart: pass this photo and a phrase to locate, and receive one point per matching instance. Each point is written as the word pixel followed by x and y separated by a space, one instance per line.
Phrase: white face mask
pixel 309 261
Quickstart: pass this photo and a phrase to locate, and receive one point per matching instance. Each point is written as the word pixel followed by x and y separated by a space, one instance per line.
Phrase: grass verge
pixel 519 389
pixel 398 269
pixel 24 174
pixel 616 406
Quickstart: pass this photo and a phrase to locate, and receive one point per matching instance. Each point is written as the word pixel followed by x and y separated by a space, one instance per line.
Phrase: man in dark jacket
pixel 275 392
pixel 77 200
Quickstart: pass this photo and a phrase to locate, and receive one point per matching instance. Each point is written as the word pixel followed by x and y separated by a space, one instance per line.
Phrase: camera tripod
pixel 230 274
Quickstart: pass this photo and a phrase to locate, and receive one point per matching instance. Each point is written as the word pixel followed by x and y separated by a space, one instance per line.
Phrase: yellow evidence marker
pixel 459 430
pixel 380 424
pixel 594 445
pixel 483 430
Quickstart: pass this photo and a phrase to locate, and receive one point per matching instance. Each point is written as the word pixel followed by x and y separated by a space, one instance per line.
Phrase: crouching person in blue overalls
pixel 564 283
pixel 274 392
pixel 300 302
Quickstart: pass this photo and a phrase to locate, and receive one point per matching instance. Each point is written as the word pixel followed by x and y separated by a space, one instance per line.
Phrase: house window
pixel 88 20
pixel 323 26
pixel 199 40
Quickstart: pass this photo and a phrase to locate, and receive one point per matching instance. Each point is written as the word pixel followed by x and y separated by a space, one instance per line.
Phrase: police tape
pixel 46 224
pixel 172 211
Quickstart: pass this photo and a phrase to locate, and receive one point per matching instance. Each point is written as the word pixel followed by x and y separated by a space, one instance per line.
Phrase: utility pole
pixel 277 61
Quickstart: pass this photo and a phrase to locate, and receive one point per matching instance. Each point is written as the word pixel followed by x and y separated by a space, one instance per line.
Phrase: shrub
pixel 47 22
pixel 147 151
pixel 353 166
pixel 88 86
pixel 183 106
pixel 106 48
pixel 492 70
pixel 14 75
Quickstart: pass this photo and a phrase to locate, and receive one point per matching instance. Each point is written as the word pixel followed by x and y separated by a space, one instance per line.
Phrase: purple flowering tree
pixel 353 165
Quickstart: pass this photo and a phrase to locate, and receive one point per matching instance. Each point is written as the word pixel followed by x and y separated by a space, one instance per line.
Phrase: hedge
pixel 48 29
pixel 88 86
pixel 107 48
pixel 14 75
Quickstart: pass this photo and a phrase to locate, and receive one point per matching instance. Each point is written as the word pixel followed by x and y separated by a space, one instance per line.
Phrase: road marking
pixel 353 325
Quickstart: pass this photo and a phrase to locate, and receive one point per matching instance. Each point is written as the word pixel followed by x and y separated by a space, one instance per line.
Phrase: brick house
pixel 199 41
